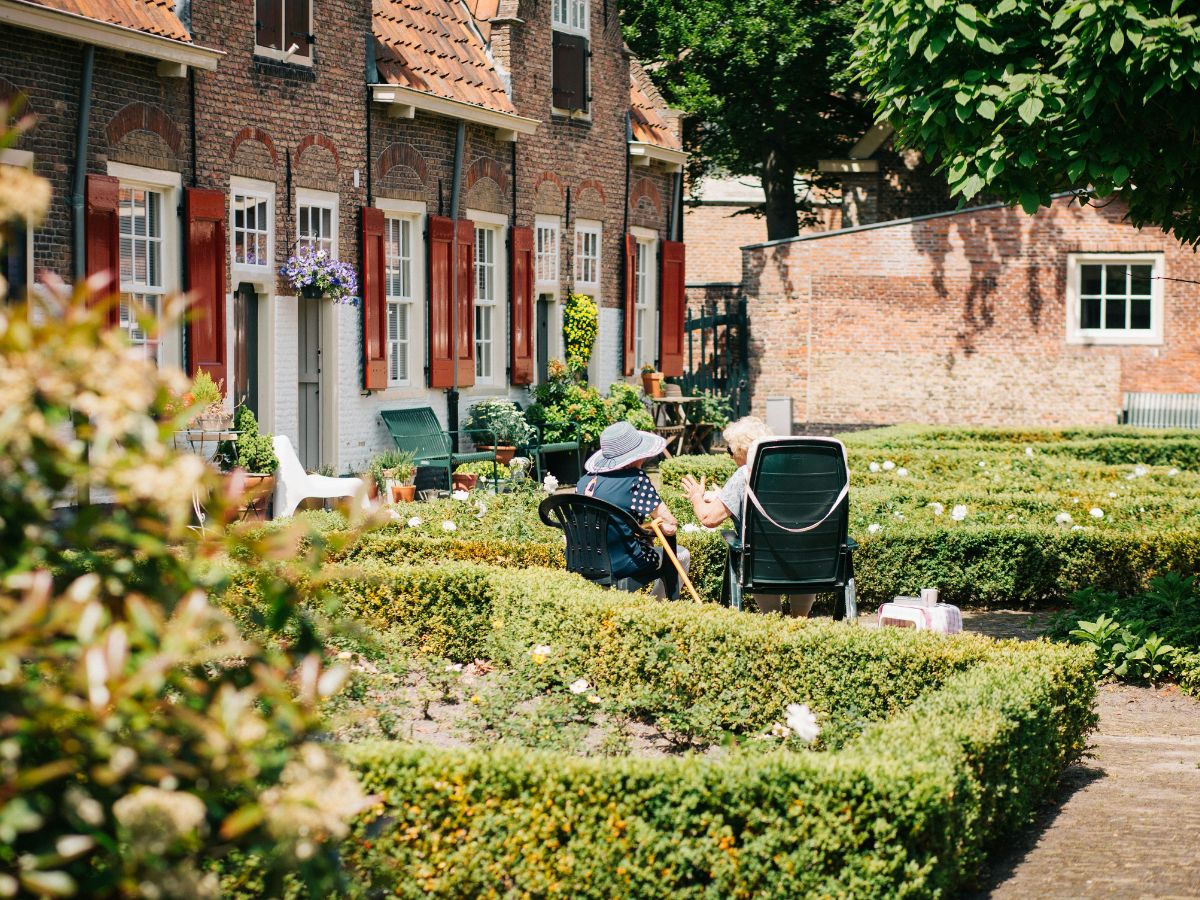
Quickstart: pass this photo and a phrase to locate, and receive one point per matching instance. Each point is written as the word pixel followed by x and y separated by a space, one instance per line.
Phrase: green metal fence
pixel 718 340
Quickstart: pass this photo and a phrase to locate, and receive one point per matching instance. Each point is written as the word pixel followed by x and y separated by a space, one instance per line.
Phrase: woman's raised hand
pixel 692 489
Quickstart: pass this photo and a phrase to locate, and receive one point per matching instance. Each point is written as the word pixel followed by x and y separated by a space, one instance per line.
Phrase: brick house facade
pixel 309 113
pixel 982 316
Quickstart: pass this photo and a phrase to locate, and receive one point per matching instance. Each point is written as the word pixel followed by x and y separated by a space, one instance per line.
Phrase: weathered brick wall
pixel 957 319
pixel 137 117
pixel 904 186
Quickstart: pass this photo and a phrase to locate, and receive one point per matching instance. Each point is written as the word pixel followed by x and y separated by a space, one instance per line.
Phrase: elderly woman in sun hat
pixel 712 510
pixel 616 477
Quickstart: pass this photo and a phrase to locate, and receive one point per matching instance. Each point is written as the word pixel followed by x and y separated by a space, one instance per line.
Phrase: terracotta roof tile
pixel 151 16
pixel 432 46
pixel 646 119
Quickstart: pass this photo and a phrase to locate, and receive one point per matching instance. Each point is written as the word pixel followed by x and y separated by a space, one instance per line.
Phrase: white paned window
pixel 546 254
pixel 142 285
pixel 485 302
pixel 571 15
pixel 399 273
pixel 587 259
pixel 252 227
pixel 315 231
pixel 643 336
pixel 1114 299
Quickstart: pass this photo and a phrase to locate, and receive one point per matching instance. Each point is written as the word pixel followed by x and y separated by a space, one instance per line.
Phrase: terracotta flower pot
pixel 464 481
pixel 404 493
pixel 504 453
pixel 652 383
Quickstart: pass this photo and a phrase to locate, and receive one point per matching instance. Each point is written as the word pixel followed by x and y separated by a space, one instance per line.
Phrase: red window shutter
pixel 102 230
pixel 441 340
pixel 204 213
pixel 466 302
pixel 630 300
pixel 296 22
pixel 374 300
pixel 521 303
pixel 268 25
pixel 569 75
pixel 672 306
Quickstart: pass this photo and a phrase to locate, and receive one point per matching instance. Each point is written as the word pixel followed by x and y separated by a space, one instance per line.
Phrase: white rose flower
pixel 902 472
pixel 959 512
pixel 780 730
pixel 873 528
pixel 415 522
pixel 888 465
pixel 1096 512
pixel 937 508
pixel 1077 528
pixel 549 484
pixel 874 467
pixel 899 515
pixel 691 528
pixel 1112 493
pixel 802 722
pixel 1029 451
pixel 449 526
pixel 982 464
pixel 1063 518
pixel 460 495
pixel 1171 473
pixel 1141 471
pixel 579 686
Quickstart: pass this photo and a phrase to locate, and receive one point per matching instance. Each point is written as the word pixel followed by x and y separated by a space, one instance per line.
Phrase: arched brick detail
pixel 645 189
pixel 138 116
pixel 254 134
pixel 485 167
pixel 550 176
pixel 591 184
pixel 318 140
pixel 400 154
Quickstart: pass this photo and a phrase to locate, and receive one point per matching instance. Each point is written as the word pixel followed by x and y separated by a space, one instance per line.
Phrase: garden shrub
pixel 969 736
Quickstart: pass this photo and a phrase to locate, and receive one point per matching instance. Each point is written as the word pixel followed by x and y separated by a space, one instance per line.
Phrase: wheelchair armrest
pixel 851 544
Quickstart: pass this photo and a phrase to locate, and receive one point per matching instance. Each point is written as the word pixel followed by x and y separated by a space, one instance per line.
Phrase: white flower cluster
pixel 798 721
pixel 549 483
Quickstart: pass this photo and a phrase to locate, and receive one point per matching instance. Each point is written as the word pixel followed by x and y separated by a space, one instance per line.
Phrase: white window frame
pixel 306 197
pixel 1077 334
pixel 496 224
pixel 260 273
pixel 587 231
pixel 645 298
pixel 169 185
pixel 571 16
pixel 547 263
pixel 414 213
pixel 282 54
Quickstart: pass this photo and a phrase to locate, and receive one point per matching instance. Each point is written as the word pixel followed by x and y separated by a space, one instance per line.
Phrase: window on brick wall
pixel 486 241
pixel 140 217
pixel 587 258
pixel 316 222
pixel 1114 299
pixel 252 226
pixel 283 30
pixel 644 343
pixel 398 237
pixel 570 55
pixel 545 254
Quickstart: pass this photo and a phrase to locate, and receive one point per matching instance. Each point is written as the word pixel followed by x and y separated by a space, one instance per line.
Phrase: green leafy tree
pixel 1031 97
pixel 764 84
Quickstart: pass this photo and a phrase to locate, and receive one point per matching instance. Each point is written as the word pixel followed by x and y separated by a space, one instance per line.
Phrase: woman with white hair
pixel 728 503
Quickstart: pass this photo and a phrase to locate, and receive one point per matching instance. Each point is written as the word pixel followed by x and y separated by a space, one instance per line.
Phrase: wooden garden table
pixel 670 422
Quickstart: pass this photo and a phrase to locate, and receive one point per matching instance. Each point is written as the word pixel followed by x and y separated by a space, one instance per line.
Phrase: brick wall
pixel 959 318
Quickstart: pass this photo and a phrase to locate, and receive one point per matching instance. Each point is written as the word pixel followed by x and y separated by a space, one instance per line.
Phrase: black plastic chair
pixel 794 536
pixel 589 525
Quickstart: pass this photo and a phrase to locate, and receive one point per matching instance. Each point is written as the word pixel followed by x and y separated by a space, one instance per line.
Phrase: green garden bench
pixel 418 431
pixel 538 448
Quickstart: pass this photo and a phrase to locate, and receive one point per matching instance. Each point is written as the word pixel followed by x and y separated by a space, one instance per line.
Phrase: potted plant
pixel 468 475
pixel 316 274
pixel 501 421
pixel 652 380
pixel 254 455
pixel 394 474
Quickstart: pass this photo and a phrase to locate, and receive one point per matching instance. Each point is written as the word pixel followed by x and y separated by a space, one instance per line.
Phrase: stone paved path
pixel 1126 821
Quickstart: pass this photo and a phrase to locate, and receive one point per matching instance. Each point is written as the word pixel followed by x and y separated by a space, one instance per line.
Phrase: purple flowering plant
pixel 336 280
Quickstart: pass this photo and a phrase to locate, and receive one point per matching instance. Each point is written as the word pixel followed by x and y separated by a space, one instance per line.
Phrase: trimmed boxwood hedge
pixel 970 736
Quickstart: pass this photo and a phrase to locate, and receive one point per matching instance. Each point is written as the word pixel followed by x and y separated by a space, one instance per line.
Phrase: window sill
pixel 1118 339
pixel 569 117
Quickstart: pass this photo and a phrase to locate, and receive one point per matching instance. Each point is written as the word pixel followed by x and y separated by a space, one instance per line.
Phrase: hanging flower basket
pixel 317 275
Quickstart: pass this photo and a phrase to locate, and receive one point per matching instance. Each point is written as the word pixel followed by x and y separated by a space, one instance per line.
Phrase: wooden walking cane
pixel 654 523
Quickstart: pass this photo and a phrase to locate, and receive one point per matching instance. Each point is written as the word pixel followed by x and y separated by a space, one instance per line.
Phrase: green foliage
pixel 392 464
pixel 205 392
pixel 1150 637
pixel 627 403
pixel 955 725
pixel 713 409
pixel 716 469
pixel 581 324
pixel 483 468
pixel 500 418
pixel 251 451
pixel 764 85
pixel 143 735
pixel 997 94
pixel 567 409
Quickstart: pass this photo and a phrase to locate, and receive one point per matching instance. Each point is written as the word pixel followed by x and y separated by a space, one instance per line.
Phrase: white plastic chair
pixel 293 484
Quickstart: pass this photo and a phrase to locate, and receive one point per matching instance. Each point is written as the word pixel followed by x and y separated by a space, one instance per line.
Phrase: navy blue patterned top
pixel 629 489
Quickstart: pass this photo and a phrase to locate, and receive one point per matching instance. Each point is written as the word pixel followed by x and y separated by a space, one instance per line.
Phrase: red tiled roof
pixel 483 11
pixel 432 46
pixel 646 119
pixel 151 16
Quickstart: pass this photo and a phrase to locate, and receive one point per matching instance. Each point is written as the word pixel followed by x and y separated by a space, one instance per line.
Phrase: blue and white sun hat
pixel 622 445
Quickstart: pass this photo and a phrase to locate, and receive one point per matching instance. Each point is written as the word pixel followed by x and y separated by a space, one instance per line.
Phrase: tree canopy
pixel 764 83
pixel 1028 98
